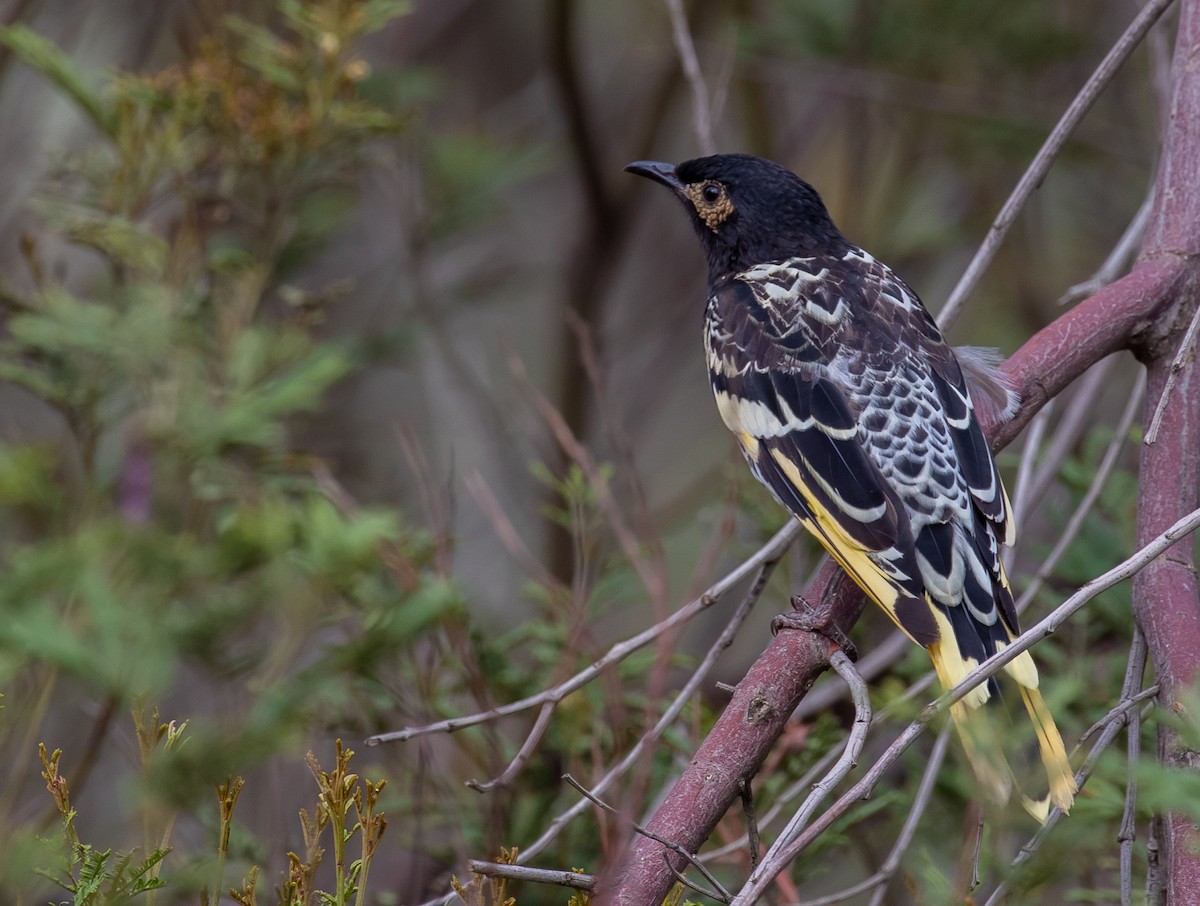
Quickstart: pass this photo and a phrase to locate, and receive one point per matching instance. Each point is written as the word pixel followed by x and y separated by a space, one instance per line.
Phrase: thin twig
pixel 1155 889
pixel 1147 693
pixel 1023 482
pixel 689 883
pixel 1124 570
pixel 669 844
pixel 765 568
pixel 701 108
pixel 1112 723
pixel 437 505
pixel 1099 479
pixel 507 533
pixel 768 553
pixel 536 875
pixel 1128 832
pixel 1187 349
pixel 522 757
pixel 976 879
pixel 1077 417
pixel 751 820
pixel 892 863
pixel 849 758
pixel 1118 259
pixel 1134 671
pixel 1033 176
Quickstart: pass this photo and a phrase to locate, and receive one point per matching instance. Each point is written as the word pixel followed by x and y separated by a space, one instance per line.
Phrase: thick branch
pixel 1165 596
pixel 1106 323
pixel 736 746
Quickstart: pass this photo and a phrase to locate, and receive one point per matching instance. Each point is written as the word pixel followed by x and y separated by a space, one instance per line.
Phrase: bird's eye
pixel 711 193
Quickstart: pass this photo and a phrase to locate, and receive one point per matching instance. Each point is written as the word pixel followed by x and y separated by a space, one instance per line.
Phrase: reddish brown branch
pixel 735 747
pixel 1106 323
pixel 1165 596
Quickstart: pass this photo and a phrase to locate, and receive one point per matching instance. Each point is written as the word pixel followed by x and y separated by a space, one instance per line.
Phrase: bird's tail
pixel 983 743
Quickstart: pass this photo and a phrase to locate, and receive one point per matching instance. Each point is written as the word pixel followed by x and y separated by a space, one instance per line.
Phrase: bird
pixel 852 410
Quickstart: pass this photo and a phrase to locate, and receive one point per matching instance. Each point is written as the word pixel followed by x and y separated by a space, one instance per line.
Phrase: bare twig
pixel 555 876
pixel 1128 831
pixel 673 710
pixel 845 763
pixel 1155 889
pixel 507 533
pixel 701 107
pixel 976 880
pixel 1119 710
pixel 526 752
pixel 1022 484
pixel 1112 722
pixel 1135 669
pixel 1033 176
pixel 614 655
pixel 438 506
pixel 751 814
pixel 768 553
pixel 690 884
pixel 1118 259
pixel 891 864
pixel 1186 350
pixel 1099 479
pixel 1077 417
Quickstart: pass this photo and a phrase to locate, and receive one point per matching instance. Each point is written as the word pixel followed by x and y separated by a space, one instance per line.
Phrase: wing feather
pixel 856 462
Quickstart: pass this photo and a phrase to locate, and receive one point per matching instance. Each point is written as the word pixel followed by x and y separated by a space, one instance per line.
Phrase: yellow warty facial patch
pixel 713 213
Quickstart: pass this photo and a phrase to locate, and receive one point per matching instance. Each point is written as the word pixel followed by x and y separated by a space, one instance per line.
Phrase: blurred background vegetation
pixel 289 290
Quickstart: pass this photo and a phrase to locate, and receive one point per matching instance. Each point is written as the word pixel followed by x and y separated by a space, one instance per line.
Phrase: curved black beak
pixel 657 171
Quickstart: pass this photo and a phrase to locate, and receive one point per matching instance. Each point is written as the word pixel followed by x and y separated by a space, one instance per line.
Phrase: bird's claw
pixel 808 618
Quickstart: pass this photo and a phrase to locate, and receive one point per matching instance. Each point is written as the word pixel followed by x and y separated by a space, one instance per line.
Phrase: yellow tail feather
pixel 983 744
pixel 1054 754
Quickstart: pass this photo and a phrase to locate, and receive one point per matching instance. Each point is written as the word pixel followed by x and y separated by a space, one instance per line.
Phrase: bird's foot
pixel 811 618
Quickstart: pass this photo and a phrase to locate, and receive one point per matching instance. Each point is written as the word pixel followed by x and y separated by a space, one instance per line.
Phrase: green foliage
pixel 177 533
pixel 92 876
pixel 177 527
pixel 347 807
pixel 42 55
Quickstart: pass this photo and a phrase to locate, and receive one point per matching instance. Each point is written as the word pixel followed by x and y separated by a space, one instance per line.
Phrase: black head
pixel 747 210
